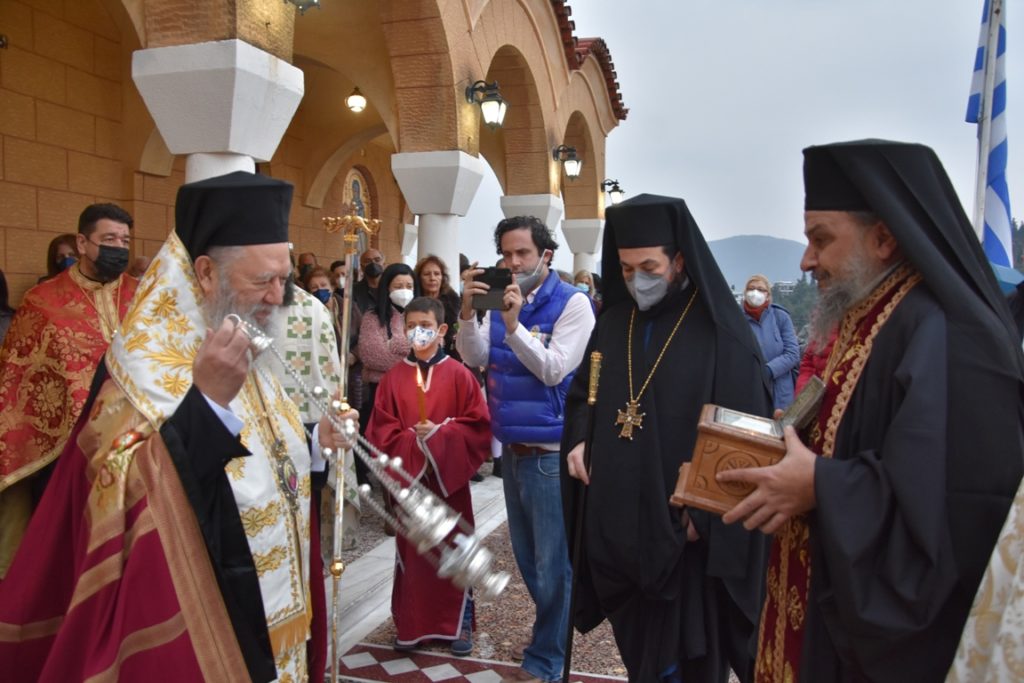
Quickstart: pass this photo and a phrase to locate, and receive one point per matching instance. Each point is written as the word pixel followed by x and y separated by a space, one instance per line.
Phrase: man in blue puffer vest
pixel 531 350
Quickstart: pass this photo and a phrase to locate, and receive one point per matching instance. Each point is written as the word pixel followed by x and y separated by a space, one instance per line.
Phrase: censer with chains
pixel 439 533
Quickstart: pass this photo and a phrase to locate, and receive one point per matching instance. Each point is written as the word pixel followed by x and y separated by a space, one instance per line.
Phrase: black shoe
pixel 477 477
pixel 496 468
pixel 402 647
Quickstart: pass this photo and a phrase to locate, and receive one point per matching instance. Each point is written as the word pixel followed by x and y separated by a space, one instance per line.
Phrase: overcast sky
pixel 723 96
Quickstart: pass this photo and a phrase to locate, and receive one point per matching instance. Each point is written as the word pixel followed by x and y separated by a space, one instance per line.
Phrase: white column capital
pixel 410 235
pixel 547 207
pixel 441 183
pixel 220 98
pixel 583 234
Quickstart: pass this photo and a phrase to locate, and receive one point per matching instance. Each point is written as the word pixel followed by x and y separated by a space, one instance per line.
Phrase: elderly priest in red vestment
pixel 50 353
pixel 885 511
pixel 174 539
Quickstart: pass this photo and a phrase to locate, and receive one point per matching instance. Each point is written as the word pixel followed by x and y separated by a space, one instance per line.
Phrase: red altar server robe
pixel 424 606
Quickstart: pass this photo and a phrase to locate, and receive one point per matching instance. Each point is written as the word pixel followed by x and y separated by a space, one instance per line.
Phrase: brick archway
pixel 518 152
pixel 582 196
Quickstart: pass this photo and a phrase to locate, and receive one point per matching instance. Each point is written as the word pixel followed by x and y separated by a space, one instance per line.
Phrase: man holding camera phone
pixel 531 347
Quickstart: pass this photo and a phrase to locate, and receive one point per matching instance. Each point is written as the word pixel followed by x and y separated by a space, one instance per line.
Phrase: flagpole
pixel 995 8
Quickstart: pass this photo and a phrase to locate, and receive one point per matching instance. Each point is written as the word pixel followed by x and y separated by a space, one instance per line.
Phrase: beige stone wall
pixel 60 124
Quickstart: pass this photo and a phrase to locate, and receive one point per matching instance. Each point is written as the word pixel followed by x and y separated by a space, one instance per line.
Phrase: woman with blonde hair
pixel 583 280
pixel 773 329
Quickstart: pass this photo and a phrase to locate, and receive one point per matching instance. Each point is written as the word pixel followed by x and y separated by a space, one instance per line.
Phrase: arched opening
pixel 582 196
pixel 517 152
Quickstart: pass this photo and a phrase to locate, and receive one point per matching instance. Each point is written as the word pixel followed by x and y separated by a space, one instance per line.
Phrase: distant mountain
pixel 742 256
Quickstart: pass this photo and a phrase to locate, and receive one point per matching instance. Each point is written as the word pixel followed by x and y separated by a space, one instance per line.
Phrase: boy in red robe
pixel 442 433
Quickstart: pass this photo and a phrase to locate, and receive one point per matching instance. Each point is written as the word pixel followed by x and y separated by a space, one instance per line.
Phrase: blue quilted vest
pixel 523 408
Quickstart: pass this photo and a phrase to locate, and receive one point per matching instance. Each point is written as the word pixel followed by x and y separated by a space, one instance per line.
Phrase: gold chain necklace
pixel 632 417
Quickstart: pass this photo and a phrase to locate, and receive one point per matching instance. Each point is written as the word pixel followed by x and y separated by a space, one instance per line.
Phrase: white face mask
pixel 421 337
pixel 401 297
pixel 527 281
pixel 647 289
pixel 756 297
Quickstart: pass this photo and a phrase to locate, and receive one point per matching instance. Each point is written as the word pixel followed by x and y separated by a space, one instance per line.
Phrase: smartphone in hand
pixel 498 279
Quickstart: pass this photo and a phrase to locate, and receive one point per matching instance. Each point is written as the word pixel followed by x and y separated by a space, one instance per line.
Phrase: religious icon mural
pixel 357 196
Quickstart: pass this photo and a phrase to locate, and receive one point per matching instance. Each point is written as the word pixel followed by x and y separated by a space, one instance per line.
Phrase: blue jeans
pixel 533 500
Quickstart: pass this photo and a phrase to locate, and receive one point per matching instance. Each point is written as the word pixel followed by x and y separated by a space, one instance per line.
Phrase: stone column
pixel 438 187
pixel 584 238
pixel 410 236
pixel 546 207
pixel 225 104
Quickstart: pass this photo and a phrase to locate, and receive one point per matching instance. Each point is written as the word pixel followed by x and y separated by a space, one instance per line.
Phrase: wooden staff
pixel 577 544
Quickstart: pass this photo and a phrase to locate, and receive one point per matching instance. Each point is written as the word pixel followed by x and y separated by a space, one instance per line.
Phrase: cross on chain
pixel 629 419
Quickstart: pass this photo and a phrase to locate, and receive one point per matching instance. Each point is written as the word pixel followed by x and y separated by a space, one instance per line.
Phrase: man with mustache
pixel 174 540
pixel 885 510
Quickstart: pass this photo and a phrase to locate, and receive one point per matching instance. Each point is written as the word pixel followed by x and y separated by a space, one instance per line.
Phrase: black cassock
pixel 910 505
pixel 930 450
pixel 671 603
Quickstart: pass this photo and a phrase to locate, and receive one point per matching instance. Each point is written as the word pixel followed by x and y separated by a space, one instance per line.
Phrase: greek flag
pixel 996 236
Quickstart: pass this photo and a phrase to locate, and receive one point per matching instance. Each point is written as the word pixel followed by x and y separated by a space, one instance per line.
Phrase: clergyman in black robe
pixel 924 450
pixel 680 609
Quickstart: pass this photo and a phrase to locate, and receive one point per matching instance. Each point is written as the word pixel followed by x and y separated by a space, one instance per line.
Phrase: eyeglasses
pixel 114 241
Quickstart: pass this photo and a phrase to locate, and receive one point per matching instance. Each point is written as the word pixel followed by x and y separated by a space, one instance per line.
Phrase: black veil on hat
pixel 237 209
pixel 648 220
pixel 906 186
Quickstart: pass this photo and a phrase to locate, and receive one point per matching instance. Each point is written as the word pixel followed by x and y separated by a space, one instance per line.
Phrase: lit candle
pixel 421 397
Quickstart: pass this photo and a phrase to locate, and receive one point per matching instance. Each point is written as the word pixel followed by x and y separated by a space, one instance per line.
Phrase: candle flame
pixel 419 377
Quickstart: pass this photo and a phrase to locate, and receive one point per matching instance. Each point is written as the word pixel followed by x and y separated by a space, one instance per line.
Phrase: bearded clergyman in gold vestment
pixel 173 541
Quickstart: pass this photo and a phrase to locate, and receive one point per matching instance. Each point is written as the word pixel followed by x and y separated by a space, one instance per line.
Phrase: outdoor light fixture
pixel 356 102
pixel 572 164
pixel 492 105
pixel 615 193
pixel 303 5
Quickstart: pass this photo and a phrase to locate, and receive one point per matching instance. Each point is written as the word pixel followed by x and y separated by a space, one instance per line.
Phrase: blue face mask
pixel 66 262
pixel 583 287
pixel 323 294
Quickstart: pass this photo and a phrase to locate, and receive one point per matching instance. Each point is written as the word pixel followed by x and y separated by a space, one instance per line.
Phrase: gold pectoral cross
pixel 629 419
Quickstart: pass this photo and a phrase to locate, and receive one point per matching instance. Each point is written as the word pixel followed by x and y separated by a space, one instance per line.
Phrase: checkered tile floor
pixel 367 662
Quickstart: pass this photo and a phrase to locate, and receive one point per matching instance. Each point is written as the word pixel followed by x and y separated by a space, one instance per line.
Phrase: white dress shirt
pixel 550 364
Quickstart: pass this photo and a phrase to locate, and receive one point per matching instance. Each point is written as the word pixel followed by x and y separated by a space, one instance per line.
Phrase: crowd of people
pixel 161 481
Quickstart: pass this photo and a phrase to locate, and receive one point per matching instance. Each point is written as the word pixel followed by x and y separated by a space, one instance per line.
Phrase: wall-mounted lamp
pixel 492 104
pixel 303 5
pixel 356 102
pixel 615 193
pixel 572 164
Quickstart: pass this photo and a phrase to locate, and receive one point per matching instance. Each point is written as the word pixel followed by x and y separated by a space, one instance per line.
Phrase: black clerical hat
pixel 826 185
pixel 232 210
pixel 645 220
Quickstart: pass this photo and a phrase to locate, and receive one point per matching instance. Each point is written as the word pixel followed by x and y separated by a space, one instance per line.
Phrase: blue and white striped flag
pixel 996 238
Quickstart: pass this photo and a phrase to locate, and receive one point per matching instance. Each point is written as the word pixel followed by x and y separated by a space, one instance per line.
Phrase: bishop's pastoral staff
pixel 885 511
pixel 682 591
pixel 173 541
